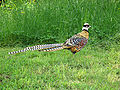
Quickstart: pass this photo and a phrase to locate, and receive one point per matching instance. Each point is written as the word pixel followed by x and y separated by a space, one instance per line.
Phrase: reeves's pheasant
pixel 74 44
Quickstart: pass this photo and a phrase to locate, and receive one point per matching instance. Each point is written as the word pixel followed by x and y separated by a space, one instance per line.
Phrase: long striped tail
pixel 46 47
pixel 52 49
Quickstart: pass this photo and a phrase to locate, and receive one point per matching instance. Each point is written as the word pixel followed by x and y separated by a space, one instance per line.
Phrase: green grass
pixel 91 68
pixel 53 21
pixel 47 21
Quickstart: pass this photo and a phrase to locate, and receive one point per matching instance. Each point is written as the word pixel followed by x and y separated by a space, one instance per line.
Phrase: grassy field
pixel 24 23
pixel 92 68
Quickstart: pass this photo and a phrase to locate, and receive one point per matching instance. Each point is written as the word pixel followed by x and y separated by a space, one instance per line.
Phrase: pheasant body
pixel 74 44
pixel 77 42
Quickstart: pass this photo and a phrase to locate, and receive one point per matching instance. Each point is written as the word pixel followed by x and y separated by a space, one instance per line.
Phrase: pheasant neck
pixel 85 29
pixel 85 34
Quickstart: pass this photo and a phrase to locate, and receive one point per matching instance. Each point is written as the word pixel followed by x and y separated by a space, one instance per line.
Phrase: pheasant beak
pixel 89 26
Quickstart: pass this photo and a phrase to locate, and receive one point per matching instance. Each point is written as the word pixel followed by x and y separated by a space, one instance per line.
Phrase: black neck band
pixel 85 30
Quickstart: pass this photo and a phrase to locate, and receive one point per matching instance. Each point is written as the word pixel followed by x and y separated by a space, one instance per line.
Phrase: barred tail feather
pixel 52 49
pixel 38 47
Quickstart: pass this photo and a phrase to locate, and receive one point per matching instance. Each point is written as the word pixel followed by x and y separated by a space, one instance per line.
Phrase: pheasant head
pixel 86 26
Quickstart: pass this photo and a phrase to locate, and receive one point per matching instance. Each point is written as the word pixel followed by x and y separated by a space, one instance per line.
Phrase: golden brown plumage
pixel 74 44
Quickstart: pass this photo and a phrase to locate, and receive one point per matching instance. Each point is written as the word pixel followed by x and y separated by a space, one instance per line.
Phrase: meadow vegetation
pixel 26 23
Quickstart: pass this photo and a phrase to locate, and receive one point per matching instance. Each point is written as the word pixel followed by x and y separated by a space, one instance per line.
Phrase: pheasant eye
pixel 85 25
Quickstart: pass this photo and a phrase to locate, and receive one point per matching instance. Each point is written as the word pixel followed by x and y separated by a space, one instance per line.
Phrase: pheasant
pixel 74 44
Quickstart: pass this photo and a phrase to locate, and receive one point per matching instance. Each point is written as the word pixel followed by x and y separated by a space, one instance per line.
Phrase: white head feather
pixel 86 26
